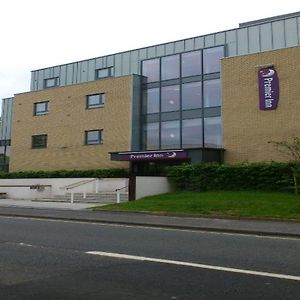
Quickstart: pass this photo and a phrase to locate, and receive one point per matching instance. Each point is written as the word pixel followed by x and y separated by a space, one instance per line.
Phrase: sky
pixel 37 34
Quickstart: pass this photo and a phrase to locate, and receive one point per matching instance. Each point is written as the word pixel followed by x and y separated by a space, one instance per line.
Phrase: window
pixel 95 101
pixel 152 136
pixel 191 95
pixel 152 100
pixel 151 69
pixel 191 63
pixel 41 108
pixel 105 72
pixel 213 132
pixel 212 93
pixel 192 133
pixel 212 59
pixel 39 141
pixel 170 67
pixel 51 82
pixel 93 137
pixel 170 135
pixel 170 98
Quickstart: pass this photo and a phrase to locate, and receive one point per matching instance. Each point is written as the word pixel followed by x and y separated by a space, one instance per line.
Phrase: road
pixel 47 259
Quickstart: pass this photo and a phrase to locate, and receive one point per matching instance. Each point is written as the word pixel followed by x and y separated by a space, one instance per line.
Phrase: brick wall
pixel 246 129
pixel 65 125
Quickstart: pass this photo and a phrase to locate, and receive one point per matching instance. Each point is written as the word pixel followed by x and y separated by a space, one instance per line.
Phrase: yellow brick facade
pixel 246 129
pixel 66 123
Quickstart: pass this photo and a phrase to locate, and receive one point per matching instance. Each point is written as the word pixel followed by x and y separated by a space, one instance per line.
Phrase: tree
pixel 292 150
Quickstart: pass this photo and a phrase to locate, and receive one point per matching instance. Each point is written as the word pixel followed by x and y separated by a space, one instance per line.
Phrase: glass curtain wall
pixel 182 99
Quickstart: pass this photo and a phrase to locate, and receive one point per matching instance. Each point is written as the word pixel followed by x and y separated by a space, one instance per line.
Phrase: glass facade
pixel 151 69
pixel 170 98
pixel 151 100
pixel 183 91
pixel 212 93
pixel 191 63
pixel 191 95
pixel 170 135
pixel 170 67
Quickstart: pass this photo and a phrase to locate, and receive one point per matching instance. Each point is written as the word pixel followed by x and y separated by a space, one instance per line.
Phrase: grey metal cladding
pixel 118 65
pixel 257 36
pixel 160 50
pixel 220 38
pixel 99 63
pixel 110 61
pixel 199 42
pixel 179 46
pixel 7 108
pixel 125 63
pixel 170 48
pixel 278 34
pixel 63 75
pixel 40 80
pixel 209 41
pixel 231 43
pixel 189 44
pixel 266 37
pixel 91 70
pixel 242 41
pixel 134 62
pixel 70 71
pixel 291 32
pixel 254 40
pixel 151 52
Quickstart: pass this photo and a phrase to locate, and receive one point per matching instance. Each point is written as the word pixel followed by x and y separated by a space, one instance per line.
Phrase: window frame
pixel 98 105
pixel 109 72
pixel 99 141
pixel 56 82
pixel 40 145
pixel 40 113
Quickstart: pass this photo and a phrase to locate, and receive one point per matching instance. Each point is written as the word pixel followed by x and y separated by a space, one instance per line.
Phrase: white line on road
pixel 194 265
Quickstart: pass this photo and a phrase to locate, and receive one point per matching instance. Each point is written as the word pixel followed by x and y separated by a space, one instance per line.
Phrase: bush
pixel 271 176
pixel 99 173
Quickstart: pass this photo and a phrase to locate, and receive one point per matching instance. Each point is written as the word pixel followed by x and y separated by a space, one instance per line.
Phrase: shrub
pixel 271 176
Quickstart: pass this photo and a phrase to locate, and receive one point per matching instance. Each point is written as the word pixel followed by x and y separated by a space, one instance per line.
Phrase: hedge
pixel 273 176
pixel 99 173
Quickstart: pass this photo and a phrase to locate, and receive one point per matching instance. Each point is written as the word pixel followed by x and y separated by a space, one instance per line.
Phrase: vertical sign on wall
pixel 268 85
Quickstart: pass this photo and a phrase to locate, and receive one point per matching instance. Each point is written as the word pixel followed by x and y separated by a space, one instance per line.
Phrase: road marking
pixel 194 265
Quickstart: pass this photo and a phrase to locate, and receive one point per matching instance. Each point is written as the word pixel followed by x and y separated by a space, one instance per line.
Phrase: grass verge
pixel 221 204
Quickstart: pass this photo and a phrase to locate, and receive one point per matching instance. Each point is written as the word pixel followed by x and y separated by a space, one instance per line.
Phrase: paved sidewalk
pixel 80 212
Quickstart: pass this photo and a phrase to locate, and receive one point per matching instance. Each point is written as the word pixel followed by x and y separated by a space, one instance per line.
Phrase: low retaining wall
pixel 29 188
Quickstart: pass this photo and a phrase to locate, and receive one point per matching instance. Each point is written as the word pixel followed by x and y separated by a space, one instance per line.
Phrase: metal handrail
pixel 119 193
pixel 76 184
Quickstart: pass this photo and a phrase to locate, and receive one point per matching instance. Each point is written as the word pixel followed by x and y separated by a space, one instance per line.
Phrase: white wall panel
pixel 266 37
pixel 291 32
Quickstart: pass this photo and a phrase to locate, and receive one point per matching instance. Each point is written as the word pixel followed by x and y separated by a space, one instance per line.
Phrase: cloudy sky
pixel 37 34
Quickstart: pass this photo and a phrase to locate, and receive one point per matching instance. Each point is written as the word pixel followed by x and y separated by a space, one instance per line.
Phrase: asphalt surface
pixel 51 259
pixel 74 212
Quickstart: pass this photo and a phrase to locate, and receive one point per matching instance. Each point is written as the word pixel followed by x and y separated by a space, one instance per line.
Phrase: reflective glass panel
pixel 151 69
pixel 94 101
pixel 152 136
pixel 170 98
pixel 191 63
pixel 192 133
pixel 212 132
pixel 170 67
pixel 151 100
pixel 41 108
pixel 212 95
pixel 191 95
pixel 212 59
pixel 93 137
pixel 170 135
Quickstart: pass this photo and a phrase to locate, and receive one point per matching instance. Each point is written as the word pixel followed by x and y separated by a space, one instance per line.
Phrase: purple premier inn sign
pixel 153 155
pixel 268 85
